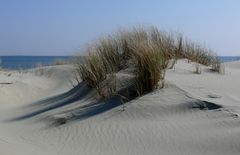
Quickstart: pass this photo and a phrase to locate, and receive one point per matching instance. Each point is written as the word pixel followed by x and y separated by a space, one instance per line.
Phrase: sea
pixel 28 62
pixel 229 58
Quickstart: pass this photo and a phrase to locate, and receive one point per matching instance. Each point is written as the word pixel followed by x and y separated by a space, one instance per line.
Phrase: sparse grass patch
pixel 60 62
pixel 217 66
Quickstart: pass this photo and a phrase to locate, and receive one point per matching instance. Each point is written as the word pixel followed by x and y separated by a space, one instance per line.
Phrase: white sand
pixel 162 122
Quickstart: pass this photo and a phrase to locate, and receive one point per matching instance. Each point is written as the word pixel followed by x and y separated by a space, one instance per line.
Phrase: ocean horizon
pixel 28 62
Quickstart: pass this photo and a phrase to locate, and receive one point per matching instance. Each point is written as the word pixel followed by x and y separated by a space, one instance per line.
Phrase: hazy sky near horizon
pixel 63 27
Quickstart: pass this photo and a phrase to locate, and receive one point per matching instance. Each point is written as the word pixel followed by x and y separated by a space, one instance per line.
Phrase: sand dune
pixel 194 114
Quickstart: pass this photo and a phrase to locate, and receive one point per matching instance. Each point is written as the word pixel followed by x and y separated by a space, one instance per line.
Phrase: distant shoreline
pixel 229 58
pixel 29 62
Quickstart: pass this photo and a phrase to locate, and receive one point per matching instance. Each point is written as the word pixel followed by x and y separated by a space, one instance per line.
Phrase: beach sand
pixel 195 114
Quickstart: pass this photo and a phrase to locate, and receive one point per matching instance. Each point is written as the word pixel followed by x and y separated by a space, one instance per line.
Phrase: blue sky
pixel 63 27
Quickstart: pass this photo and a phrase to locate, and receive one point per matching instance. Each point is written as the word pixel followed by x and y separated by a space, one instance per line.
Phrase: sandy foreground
pixel 194 115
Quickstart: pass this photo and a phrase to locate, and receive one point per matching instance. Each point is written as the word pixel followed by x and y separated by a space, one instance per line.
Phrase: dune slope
pixel 194 114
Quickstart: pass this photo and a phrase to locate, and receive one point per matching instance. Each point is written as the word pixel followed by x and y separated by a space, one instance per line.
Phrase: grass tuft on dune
pixel 148 51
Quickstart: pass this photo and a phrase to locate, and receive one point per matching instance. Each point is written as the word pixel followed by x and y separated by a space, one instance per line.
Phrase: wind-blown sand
pixel 194 114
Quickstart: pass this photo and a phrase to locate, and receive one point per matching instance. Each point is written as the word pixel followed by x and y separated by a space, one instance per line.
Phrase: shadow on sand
pixel 75 98
pixel 82 104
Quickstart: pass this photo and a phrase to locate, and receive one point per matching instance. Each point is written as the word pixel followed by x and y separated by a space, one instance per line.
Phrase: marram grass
pixel 147 50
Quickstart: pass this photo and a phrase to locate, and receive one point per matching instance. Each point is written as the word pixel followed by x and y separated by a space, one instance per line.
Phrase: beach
pixel 194 114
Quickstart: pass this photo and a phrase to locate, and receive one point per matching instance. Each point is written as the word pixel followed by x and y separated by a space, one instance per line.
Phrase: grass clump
pixel 107 49
pixel 100 67
pixel 147 50
pixel 150 55
pixel 93 72
pixel 149 67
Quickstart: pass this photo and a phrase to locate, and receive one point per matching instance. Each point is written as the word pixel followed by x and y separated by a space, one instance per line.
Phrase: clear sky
pixel 62 27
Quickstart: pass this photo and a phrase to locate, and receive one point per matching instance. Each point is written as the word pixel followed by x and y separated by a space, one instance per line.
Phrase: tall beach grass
pixel 148 51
